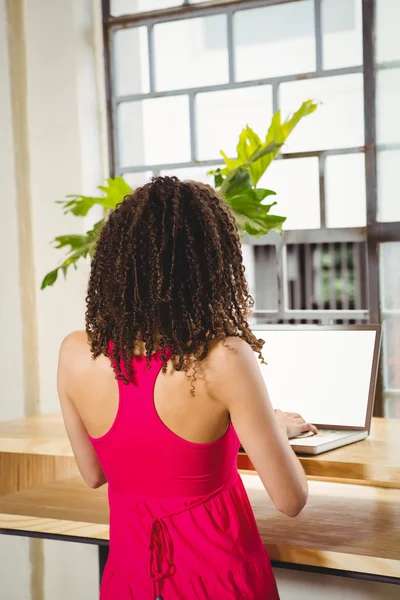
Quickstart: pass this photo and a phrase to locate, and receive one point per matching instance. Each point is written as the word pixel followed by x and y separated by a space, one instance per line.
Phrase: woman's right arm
pixel 237 383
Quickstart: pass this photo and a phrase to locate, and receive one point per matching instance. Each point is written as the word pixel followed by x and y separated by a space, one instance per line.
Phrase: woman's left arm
pixel 85 456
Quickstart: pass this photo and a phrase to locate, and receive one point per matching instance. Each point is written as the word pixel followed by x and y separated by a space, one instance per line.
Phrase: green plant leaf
pixel 252 214
pixel 114 192
pixel 93 236
pixel 237 181
pixel 249 142
pixel 256 155
pixel 74 241
pixel 250 150
pixel 218 178
pixel 49 279
pixel 259 225
pixel 80 205
pixel 80 247
pixel 306 109
pixel 248 198
pixel 272 148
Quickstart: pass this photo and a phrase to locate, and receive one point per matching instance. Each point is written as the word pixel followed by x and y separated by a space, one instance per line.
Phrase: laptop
pixel 327 375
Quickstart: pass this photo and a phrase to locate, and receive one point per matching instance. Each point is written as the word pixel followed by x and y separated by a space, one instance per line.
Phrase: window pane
pixel 296 183
pixel 274 40
pixel 221 116
pixel 131 62
pixel 192 174
pixel 392 406
pixel 345 191
pixel 342 33
pixel 191 53
pixel 154 131
pixel 338 121
pixel 261 274
pixel 390 276
pixel 391 353
pixel 137 179
pixel 390 302
pixel 387 30
pixel 388 166
pixel 128 7
pixel 387 106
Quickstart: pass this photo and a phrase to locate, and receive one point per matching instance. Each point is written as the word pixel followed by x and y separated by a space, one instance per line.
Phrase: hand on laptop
pixel 294 424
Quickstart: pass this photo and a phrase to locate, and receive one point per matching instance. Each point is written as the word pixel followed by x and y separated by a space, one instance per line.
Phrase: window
pixel 183 78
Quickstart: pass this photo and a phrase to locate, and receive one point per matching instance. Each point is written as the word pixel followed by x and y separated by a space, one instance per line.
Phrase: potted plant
pixel 237 182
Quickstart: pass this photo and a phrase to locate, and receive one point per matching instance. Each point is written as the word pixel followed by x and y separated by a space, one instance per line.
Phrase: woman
pixel 174 385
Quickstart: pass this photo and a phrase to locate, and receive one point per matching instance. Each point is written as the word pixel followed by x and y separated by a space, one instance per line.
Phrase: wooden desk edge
pixel 344 472
pixel 370 565
pixel 384 567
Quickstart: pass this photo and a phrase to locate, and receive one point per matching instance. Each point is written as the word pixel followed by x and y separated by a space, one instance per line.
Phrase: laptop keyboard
pixel 321 433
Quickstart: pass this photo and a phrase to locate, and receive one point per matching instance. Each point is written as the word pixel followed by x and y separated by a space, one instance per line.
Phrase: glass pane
pixel 298 270
pixel 342 33
pixel 137 179
pixel 192 174
pixel 388 167
pixel 129 7
pixel 296 183
pixel 154 131
pixel 274 40
pixel 389 259
pixel 191 53
pixel 387 30
pixel 390 276
pixel 339 120
pixel 391 353
pixel 261 273
pixel 345 191
pixel 392 406
pixel 221 116
pixel 387 106
pixel 248 253
pixel 131 61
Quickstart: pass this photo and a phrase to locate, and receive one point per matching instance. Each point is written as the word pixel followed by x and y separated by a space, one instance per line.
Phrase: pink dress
pixel 181 525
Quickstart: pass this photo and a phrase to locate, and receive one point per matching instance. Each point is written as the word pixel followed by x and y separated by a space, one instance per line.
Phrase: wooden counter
pixel 344 527
pixel 348 527
pixel 375 461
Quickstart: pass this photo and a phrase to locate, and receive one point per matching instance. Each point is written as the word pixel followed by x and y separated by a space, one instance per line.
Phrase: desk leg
pixel 103 555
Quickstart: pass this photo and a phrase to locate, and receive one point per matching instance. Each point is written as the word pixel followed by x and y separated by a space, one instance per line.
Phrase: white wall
pixel 14 552
pixel 71 571
pixel 65 158
pixel 11 356
pixel 14 569
pixel 51 144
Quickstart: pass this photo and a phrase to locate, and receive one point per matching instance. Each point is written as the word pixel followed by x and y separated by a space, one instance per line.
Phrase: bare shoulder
pixel 229 356
pixel 231 349
pixel 76 341
pixel 75 351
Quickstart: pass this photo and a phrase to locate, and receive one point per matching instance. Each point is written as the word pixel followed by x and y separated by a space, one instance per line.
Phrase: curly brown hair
pixel 167 272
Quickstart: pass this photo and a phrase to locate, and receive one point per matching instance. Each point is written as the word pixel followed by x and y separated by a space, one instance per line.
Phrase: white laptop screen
pixel 322 374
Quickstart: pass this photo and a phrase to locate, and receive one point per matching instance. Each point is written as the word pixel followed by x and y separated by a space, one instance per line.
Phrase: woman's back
pixel 180 522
